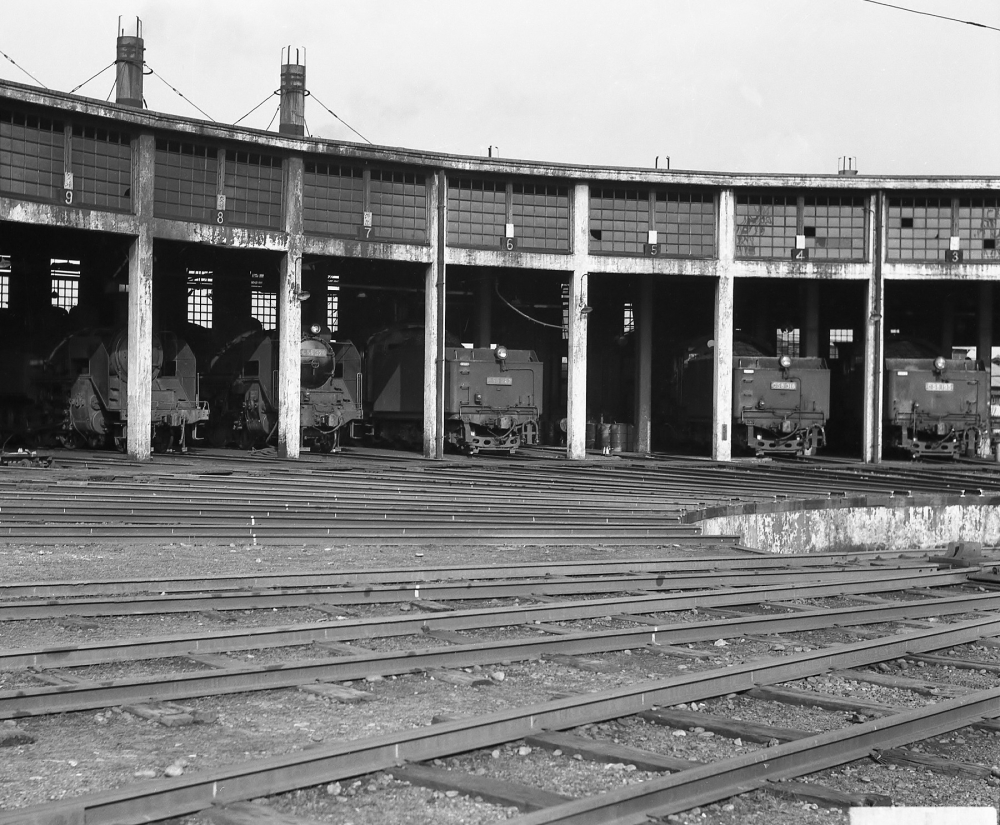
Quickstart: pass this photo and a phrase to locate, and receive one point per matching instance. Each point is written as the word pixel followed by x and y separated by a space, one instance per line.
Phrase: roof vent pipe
pixel 129 62
pixel 293 93
pixel 847 166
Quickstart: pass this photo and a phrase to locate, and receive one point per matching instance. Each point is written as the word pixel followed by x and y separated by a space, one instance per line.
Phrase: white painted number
pixel 68 196
pixel 508 244
pixel 220 217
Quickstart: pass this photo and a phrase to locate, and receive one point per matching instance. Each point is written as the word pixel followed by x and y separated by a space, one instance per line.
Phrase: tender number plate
pixel 313 352
pixel 506 381
pixel 938 386
pixel 783 385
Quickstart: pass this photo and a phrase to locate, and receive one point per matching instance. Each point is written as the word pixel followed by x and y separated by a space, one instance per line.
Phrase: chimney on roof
pixel 847 166
pixel 129 63
pixel 293 94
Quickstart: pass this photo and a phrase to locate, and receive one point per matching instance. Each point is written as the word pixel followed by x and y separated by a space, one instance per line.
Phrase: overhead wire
pixel 29 74
pixel 348 125
pixel 255 108
pixel 496 289
pixel 85 82
pixel 931 14
pixel 196 106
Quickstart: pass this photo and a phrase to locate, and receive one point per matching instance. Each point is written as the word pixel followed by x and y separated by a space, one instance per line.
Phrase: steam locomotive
pixel 242 385
pixel 492 397
pixel 78 395
pixel 780 404
pixel 935 406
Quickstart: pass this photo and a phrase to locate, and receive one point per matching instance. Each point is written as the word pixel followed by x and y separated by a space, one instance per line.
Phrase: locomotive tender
pixel 493 397
pixel 243 387
pixel 936 406
pixel 79 394
pixel 780 404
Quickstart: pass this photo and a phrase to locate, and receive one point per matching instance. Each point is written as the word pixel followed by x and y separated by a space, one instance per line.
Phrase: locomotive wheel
pixel 163 443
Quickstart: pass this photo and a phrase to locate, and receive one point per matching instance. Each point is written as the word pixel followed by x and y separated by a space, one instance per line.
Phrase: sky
pixel 782 86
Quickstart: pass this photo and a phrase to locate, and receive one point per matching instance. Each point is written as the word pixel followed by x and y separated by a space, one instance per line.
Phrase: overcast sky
pixel 720 85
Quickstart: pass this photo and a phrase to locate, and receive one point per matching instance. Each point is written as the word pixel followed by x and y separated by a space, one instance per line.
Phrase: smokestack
pixel 129 62
pixel 293 94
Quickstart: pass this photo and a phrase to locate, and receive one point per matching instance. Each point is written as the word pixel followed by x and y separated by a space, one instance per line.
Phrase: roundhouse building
pixel 156 221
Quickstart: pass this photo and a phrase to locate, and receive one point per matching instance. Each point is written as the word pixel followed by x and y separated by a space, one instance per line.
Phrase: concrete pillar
pixel 722 423
pixel 579 309
pixel 874 337
pixel 984 329
pixel 290 316
pixel 484 309
pixel 434 318
pixel 811 336
pixel 129 61
pixel 643 314
pixel 140 306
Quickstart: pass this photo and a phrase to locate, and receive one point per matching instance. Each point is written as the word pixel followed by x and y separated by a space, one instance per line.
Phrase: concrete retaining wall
pixel 861 522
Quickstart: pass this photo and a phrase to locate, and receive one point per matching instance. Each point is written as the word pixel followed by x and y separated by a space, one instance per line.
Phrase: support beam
pixel 434 318
pixel 643 314
pixel 984 328
pixel 811 339
pixel 722 395
pixel 484 309
pixel 579 309
pixel 139 401
pixel 874 337
pixel 290 317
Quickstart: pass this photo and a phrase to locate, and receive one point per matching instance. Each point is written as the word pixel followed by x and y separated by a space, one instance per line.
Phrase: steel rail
pixel 168 798
pixel 224 641
pixel 435 591
pixel 862 581
pixel 189 685
pixel 431 572
pixel 639 803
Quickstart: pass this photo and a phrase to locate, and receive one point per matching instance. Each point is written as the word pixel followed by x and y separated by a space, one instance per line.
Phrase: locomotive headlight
pixel 785 362
pixel 315 329
pixel 939 363
pixel 501 353
pixel 479 398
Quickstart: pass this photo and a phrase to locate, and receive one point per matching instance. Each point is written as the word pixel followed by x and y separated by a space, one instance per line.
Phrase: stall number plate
pixel 783 385
pixel 934 386
pixel 506 382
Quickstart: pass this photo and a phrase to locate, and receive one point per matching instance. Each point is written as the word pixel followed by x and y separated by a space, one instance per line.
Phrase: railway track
pixel 621 646
pixel 711 662
pixel 220 499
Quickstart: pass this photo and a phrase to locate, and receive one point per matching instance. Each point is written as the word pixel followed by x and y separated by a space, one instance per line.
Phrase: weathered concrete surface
pixel 867 523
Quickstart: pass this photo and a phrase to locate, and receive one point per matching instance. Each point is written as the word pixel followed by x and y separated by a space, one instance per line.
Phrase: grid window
pixel 477 212
pixel 333 199
pixel 834 227
pixel 979 228
pixel 186 181
pixel 540 214
pixel 919 229
pixel 399 206
pixel 840 336
pixel 787 342
pixel 102 168
pixel 628 321
pixel 765 225
pixel 31 155
pixel 4 281
pixel 619 221
pixel 65 283
pixel 263 304
pixel 333 302
pixel 685 224
pixel 253 190
pixel 199 304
